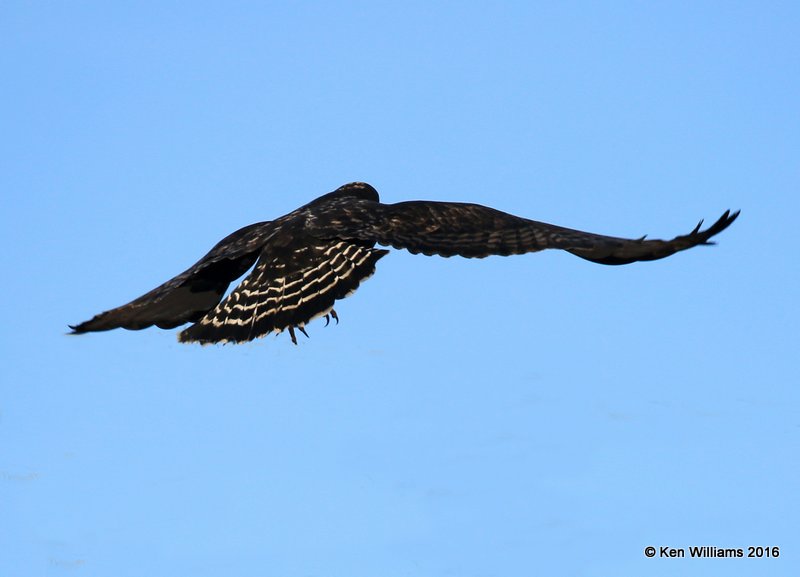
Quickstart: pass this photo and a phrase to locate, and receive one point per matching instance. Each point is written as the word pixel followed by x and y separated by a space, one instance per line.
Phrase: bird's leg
pixel 302 329
pixel 291 334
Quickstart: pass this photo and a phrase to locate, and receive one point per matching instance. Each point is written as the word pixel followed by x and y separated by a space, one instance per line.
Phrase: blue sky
pixel 508 416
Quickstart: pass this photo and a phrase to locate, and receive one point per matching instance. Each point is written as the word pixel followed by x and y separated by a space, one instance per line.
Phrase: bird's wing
pixel 471 230
pixel 286 289
pixel 191 294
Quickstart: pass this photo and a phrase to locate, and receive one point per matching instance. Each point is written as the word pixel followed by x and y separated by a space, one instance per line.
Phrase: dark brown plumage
pixel 321 252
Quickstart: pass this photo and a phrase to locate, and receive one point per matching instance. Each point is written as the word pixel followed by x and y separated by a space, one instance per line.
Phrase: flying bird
pixel 321 252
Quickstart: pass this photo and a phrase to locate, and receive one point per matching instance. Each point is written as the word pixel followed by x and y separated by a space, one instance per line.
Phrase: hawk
pixel 308 259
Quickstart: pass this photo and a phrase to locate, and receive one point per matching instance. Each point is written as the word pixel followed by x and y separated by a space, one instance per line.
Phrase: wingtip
pixel 727 219
pixel 75 329
pixel 721 224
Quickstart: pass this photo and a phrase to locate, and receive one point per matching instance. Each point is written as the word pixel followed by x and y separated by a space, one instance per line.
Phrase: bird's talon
pixel 335 316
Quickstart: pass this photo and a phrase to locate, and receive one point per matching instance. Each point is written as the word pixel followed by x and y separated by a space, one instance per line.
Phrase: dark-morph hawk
pixel 322 251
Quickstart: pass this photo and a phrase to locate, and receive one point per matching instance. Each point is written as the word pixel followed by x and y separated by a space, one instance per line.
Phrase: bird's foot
pixel 329 315
pixel 299 328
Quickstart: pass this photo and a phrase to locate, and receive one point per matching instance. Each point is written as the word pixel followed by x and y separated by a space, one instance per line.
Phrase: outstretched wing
pixel 191 294
pixel 287 289
pixel 475 231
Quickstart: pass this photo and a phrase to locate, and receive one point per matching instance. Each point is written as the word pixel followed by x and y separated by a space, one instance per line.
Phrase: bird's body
pixel 321 252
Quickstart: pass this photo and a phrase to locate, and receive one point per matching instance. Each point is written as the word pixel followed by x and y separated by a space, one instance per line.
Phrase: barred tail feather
pixel 283 293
